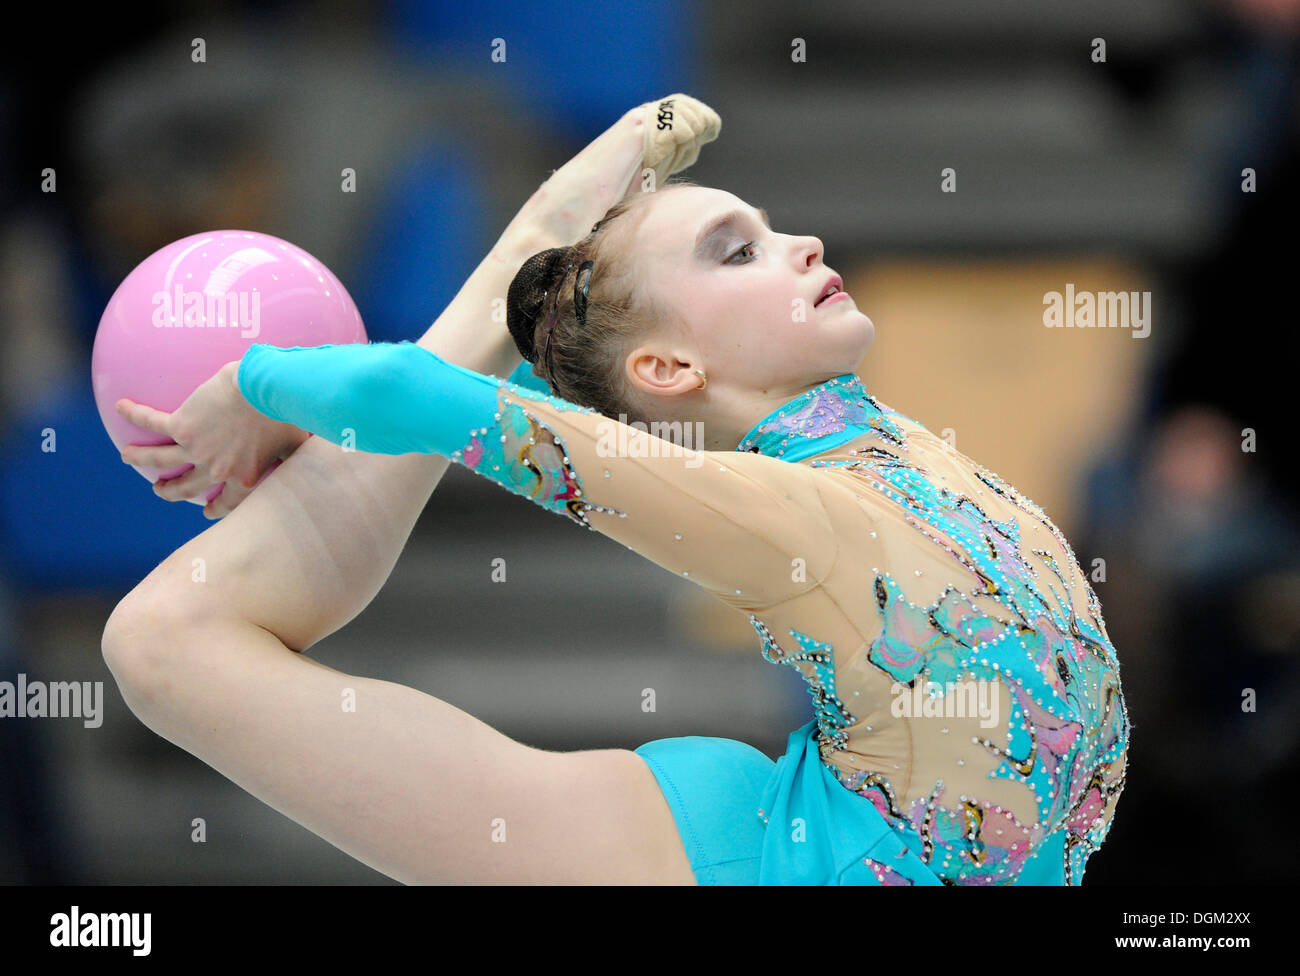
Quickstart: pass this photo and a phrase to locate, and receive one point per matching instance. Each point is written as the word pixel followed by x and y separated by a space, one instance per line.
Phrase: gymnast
pixel 968 721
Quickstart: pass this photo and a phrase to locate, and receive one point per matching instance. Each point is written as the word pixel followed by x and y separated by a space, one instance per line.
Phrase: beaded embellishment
pixel 816 664
pixel 529 458
pixel 1013 622
pixel 824 417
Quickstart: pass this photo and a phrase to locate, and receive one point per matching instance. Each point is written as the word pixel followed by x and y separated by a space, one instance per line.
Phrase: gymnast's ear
pixel 527 295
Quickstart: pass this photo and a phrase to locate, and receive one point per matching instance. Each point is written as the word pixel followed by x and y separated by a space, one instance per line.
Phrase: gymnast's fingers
pixel 162 456
pixel 226 502
pixel 192 483
pixel 144 416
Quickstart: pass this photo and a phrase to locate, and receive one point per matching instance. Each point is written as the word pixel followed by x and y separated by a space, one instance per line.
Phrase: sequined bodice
pixel 977 600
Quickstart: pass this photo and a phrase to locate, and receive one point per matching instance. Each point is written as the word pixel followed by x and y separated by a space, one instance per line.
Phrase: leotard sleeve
pixel 749 528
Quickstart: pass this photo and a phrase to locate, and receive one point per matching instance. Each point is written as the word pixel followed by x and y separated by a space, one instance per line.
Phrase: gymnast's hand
pixel 634 155
pixel 221 434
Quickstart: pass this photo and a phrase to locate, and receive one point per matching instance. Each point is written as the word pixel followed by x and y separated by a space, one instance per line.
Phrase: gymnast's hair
pixel 577 341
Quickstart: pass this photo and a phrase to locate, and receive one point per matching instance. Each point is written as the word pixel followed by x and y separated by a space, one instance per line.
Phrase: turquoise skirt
pixel 745 820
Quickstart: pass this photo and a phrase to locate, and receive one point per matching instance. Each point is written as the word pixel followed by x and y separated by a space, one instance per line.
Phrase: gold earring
pixel 704 380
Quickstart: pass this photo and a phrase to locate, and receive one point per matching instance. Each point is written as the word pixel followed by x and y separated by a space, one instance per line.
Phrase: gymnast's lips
pixel 836 282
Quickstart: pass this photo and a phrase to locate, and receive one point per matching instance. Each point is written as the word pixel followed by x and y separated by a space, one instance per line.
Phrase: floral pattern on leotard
pixel 525 456
pixel 826 416
pixel 833 718
pixel 1011 622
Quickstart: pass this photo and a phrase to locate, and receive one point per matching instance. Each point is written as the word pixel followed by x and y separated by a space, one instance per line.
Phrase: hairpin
pixel 580 296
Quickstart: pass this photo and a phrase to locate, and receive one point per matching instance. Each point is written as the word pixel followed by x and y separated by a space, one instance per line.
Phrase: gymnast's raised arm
pixel 309 549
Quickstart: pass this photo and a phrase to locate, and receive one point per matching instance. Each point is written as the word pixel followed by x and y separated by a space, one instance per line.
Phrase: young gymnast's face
pixel 745 293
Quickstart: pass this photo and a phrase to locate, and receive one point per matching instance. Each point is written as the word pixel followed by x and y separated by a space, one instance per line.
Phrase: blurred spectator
pixel 1196 516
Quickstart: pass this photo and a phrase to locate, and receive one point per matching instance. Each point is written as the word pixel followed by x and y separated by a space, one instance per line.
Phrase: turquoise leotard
pixel 892 573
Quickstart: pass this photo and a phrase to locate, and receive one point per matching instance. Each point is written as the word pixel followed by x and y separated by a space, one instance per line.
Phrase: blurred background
pixel 1161 458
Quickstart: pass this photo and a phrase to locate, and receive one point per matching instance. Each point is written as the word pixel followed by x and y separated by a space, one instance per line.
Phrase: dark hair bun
pixel 528 292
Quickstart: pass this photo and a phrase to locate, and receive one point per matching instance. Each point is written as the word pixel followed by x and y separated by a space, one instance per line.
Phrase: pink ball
pixel 191 307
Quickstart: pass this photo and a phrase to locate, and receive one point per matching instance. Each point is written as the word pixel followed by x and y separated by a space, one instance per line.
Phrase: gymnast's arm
pixel 750 529
pixel 309 549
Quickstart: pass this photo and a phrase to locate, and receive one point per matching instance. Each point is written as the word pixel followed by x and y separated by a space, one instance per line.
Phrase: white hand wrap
pixel 675 129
